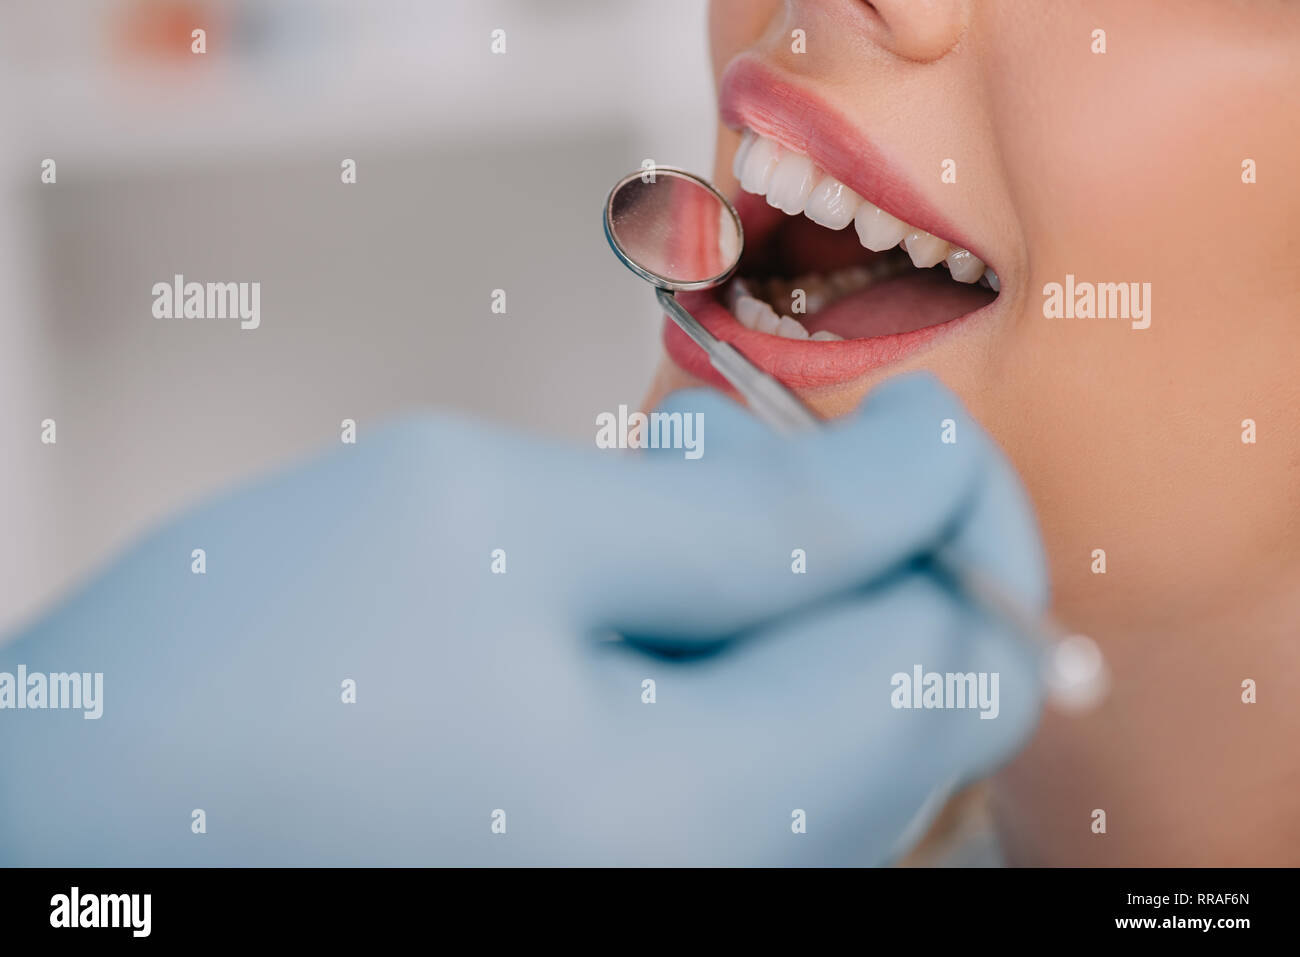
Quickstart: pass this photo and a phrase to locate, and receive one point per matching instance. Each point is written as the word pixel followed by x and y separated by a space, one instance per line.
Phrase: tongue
pixel 914 300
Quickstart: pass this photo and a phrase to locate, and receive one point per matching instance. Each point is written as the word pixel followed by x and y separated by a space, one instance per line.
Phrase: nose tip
pixel 921 30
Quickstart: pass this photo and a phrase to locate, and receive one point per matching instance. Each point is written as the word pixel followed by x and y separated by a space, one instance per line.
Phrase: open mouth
pixel 831 285
pixel 830 265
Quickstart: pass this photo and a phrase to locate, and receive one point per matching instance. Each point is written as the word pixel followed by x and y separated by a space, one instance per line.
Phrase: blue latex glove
pixel 479 692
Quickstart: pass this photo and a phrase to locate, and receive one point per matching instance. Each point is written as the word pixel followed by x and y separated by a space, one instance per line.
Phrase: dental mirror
pixel 673 229
pixel 677 232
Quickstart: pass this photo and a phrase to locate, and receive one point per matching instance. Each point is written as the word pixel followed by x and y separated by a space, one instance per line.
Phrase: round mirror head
pixel 673 229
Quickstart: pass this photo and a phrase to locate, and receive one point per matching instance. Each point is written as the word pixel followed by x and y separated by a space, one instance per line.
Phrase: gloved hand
pixel 478 692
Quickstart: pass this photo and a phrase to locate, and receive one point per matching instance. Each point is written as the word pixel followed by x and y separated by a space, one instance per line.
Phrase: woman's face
pixel 1002 128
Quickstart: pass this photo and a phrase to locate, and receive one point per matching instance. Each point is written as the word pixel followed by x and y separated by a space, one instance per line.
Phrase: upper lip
pixel 755 95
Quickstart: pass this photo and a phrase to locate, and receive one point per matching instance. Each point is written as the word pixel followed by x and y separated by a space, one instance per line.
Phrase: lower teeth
pixel 764 305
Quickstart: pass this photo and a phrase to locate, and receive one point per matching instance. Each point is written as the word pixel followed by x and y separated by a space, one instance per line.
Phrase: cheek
pixel 1105 150
pixel 736 24
pixel 1135 175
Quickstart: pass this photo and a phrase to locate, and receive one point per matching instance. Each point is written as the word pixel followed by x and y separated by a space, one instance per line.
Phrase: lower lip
pixel 796 363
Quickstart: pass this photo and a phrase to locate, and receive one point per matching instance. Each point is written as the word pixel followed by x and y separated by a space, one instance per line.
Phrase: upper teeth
pixel 794 185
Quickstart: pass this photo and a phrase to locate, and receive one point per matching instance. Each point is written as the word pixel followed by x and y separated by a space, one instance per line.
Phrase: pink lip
pixel 796 363
pixel 754 96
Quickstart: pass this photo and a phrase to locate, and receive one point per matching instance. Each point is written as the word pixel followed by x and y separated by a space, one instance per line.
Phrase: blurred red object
pixel 162 30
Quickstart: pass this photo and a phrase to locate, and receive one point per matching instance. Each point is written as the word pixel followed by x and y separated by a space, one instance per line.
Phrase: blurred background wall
pixel 475 172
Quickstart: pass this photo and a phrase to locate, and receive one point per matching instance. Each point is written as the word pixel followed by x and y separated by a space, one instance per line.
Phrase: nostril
pixel 919 30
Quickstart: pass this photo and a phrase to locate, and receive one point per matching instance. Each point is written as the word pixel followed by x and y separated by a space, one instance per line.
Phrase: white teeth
pixel 814 299
pixel 845 281
pixel 856 277
pixel 831 204
pixel 791 328
pixel 765 305
pixel 816 292
pixel 877 230
pixel 791 182
pixel 760 161
pixel 759 316
pixel 742 151
pixel 737 289
pixel 964 265
pixel 749 310
pixel 926 250
pixel 767 321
